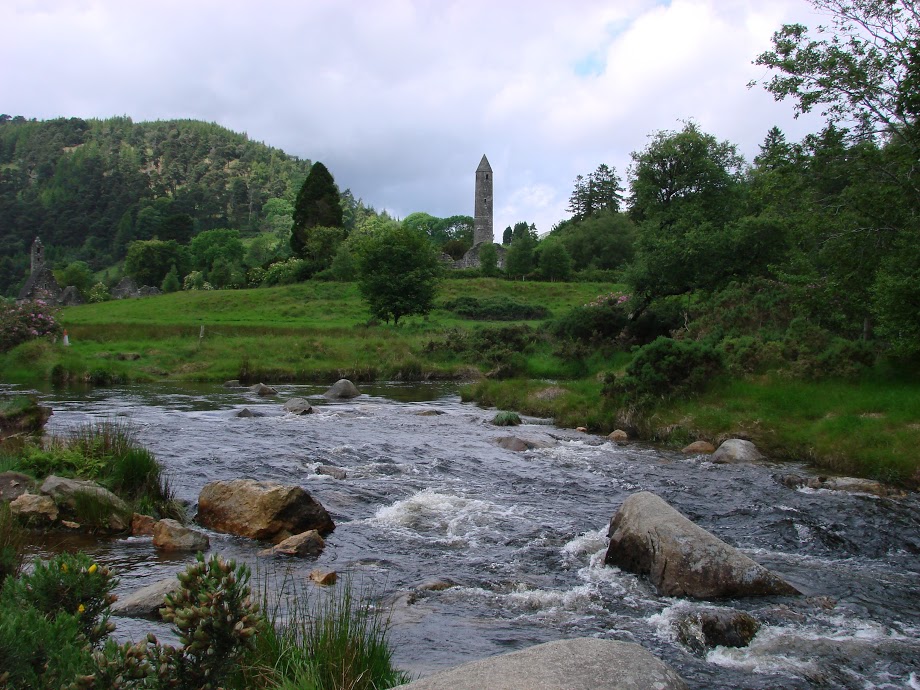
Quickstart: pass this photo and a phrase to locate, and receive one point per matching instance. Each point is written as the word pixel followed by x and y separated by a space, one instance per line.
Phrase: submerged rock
pixel 263 390
pixel 342 390
pixel 331 471
pixel 298 406
pixel 848 484
pixel 519 445
pixel 649 537
pixel 705 628
pixel 581 664
pixel 736 450
pixel 324 577
pixel 171 535
pixel 261 510
pixel 246 413
pixel 146 601
pixel 309 543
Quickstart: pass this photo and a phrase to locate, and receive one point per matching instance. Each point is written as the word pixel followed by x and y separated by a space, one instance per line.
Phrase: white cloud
pixel 400 98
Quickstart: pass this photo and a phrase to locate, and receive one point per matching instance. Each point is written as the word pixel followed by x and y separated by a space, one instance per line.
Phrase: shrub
pixel 749 355
pixel 495 309
pixel 286 272
pixel 98 293
pixel 26 321
pixel 506 419
pixel 215 619
pixel 603 319
pixel 12 541
pixel 71 584
pixel 664 368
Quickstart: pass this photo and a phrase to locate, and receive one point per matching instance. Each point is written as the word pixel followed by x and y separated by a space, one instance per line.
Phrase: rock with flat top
pixel 583 663
pixel 649 537
pixel 705 628
pixel 261 510
pixel 146 601
pixel 171 535
pixel 34 509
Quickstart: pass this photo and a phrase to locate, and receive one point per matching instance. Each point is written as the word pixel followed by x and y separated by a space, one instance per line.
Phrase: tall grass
pixel 328 640
pixel 12 542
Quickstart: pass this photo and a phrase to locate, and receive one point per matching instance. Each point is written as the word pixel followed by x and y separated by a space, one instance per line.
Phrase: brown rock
pixel 142 525
pixel 323 577
pixel 519 445
pixel 618 436
pixel 582 429
pixel 64 491
pixel 70 525
pixel 648 537
pixel 261 510
pixel 308 543
pixel 705 628
pixel 170 535
pixel 34 508
pixel 263 390
pixel 698 447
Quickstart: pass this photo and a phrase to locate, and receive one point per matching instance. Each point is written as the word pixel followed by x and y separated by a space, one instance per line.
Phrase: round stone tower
pixel 482 223
pixel 38 256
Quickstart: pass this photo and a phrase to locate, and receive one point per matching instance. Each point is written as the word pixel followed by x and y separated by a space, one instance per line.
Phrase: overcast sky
pixel 401 98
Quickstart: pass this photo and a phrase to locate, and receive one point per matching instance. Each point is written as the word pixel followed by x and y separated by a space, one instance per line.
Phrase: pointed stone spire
pixel 482 219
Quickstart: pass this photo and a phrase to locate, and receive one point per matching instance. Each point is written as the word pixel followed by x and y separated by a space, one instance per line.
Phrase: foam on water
pixel 449 518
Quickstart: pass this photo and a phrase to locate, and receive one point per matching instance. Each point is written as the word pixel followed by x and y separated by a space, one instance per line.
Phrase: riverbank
pixel 319 332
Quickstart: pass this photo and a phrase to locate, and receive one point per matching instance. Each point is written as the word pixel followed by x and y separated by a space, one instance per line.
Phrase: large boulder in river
pixel 261 510
pixel 581 664
pixel 736 450
pixel 649 537
pixel 342 389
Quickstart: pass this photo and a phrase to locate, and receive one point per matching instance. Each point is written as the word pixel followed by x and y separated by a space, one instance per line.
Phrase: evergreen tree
pixel 318 204
pixel 488 260
pixel 171 281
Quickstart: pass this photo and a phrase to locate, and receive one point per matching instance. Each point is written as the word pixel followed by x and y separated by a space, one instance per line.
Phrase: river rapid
pixel 523 535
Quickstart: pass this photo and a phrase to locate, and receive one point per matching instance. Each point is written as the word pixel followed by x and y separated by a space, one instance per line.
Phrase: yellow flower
pixel 63 567
pixel 81 608
pixel 93 568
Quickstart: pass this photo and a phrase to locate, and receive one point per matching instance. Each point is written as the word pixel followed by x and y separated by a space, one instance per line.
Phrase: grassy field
pixel 321 331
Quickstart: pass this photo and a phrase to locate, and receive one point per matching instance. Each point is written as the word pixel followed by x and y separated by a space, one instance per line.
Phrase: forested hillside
pixel 90 187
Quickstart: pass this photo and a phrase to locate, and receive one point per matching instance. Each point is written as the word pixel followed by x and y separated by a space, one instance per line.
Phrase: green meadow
pixel 318 332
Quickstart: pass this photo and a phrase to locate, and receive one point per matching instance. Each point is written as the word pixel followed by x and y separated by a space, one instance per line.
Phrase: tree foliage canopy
pixel 398 272
pixel 318 204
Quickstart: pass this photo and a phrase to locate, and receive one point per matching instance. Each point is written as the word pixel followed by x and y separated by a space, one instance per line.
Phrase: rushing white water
pixel 523 535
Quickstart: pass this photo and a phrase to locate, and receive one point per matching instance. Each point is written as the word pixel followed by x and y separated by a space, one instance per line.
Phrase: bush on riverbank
pixel 54 632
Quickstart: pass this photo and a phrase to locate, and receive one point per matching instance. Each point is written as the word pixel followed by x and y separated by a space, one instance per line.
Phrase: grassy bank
pixel 318 332
pixel 869 427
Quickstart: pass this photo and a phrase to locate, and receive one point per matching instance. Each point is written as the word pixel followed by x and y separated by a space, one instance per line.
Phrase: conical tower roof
pixel 484 165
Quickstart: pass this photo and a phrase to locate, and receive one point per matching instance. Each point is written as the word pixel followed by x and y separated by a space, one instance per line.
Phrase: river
pixel 523 534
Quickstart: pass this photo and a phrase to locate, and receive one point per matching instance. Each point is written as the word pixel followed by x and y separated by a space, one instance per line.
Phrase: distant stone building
pixel 41 283
pixel 483 226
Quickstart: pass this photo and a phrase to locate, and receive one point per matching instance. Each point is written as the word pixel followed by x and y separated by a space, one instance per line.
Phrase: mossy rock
pixel 22 415
pixel 506 419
